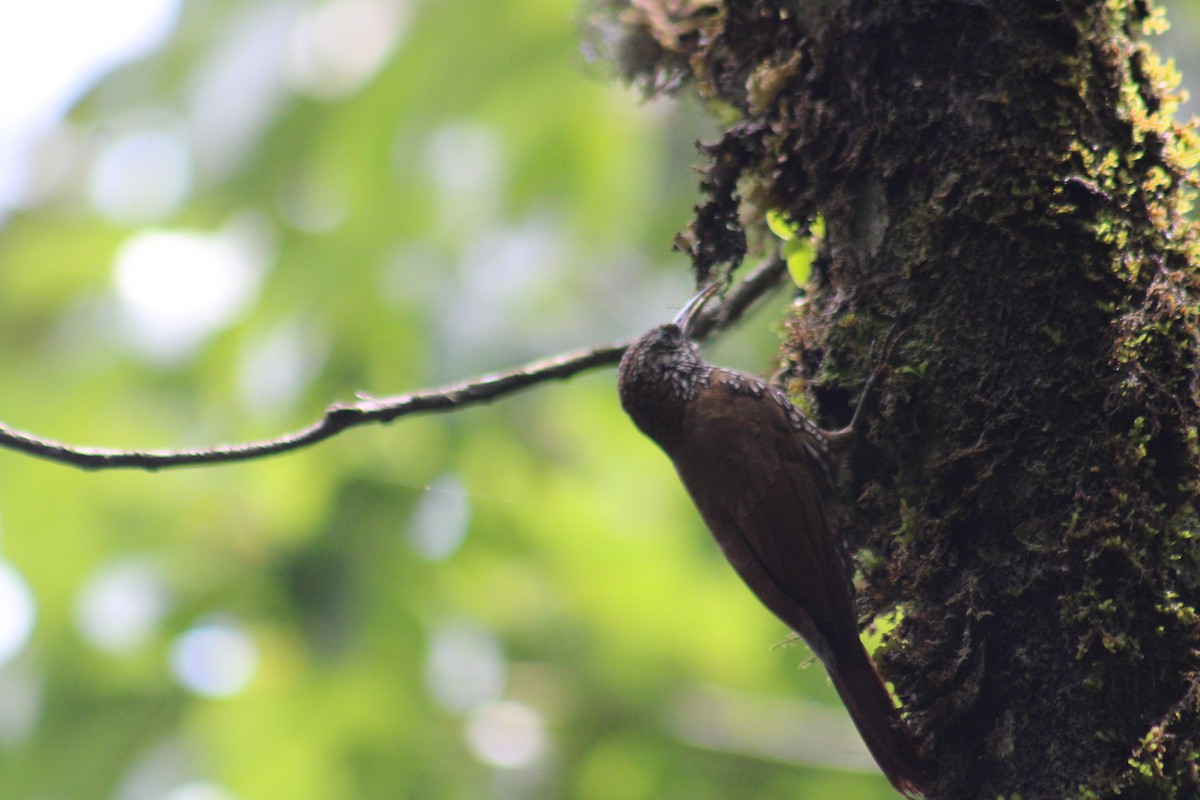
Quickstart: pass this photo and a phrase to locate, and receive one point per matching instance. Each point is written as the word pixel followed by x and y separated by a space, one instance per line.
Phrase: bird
pixel 763 477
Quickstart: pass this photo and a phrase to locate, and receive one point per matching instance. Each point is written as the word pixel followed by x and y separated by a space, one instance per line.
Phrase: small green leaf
pixel 799 256
pixel 781 226
pixel 817 229
pixel 797 250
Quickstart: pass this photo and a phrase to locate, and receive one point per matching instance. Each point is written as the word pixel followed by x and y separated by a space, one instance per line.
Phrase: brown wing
pixel 761 493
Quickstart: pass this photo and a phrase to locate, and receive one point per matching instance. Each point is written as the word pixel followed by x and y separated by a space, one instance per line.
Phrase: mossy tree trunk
pixel 1004 183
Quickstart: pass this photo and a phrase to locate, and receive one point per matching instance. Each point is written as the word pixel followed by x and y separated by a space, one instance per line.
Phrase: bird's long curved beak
pixel 688 314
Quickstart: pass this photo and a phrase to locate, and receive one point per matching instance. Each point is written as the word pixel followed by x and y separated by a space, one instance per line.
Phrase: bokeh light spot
pixel 199 790
pixel 17 612
pixel 239 88
pixel 177 287
pixel 339 45
pixel 464 158
pixel 142 176
pixel 507 734
pixel 156 770
pixel 20 703
pixel 465 667
pixel 439 522
pixel 214 659
pixel 275 369
pixel 122 604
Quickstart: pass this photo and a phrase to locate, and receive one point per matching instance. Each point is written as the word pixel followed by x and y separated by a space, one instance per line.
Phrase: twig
pixel 341 416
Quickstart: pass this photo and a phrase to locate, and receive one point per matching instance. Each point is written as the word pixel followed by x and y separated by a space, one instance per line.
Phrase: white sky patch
pixel 177 288
pixel 52 51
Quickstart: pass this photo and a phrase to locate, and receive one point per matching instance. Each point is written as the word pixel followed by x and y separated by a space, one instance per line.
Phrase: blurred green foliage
pixel 514 601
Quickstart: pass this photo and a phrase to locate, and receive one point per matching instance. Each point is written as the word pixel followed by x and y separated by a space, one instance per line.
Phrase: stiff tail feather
pixel 885 733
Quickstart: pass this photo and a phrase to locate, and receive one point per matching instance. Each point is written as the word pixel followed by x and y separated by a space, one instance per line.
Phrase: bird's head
pixel 662 370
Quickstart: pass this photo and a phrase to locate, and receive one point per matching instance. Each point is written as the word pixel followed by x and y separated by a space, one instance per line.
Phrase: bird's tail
pixel 885 733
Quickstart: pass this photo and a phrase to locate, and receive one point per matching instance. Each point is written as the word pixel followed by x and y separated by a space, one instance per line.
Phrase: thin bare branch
pixel 340 416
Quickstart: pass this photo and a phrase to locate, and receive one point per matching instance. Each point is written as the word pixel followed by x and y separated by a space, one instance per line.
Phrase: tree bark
pixel 1003 181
